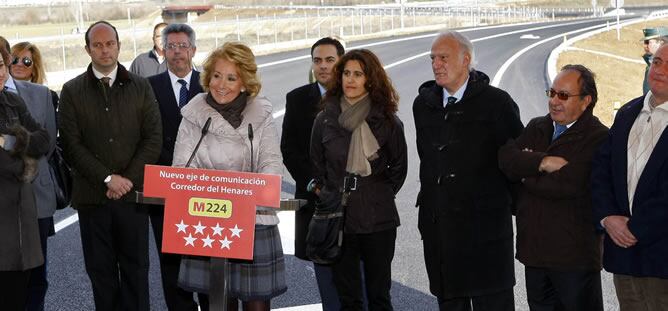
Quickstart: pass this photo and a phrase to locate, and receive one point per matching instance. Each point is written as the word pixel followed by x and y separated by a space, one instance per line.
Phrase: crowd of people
pixel 585 197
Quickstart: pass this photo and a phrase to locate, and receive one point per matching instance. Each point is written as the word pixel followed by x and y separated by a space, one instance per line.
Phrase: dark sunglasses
pixel 27 61
pixel 646 41
pixel 561 94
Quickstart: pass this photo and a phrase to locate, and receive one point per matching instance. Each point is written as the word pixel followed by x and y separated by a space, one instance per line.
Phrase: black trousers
pixel 376 251
pixel 13 290
pixel 114 237
pixel 557 290
pixel 38 283
pixel 501 301
pixel 177 299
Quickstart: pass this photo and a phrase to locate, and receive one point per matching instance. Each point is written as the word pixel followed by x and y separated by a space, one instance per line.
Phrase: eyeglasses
pixel 646 41
pixel 174 46
pixel 27 61
pixel 561 94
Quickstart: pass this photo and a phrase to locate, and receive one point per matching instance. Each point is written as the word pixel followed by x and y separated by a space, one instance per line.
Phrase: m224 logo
pixel 210 207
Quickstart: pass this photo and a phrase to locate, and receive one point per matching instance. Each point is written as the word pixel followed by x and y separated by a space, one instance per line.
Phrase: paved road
pixel 525 79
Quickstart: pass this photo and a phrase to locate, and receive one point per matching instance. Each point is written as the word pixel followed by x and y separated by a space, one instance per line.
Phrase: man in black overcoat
pixel 465 201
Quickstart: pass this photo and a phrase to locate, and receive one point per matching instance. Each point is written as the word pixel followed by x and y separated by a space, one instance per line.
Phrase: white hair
pixel 465 45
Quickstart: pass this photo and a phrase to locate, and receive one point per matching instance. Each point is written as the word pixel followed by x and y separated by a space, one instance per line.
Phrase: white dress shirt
pixel 111 75
pixel 645 133
pixel 176 86
pixel 458 94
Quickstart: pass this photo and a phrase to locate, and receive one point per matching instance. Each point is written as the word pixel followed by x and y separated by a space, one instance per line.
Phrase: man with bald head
pixel 110 126
pixel 630 195
pixel 465 202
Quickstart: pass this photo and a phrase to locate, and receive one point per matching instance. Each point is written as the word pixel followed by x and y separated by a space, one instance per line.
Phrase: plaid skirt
pixel 260 279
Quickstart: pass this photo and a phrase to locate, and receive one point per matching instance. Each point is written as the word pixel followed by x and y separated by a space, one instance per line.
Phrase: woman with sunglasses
pixel 26 66
pixel 27 63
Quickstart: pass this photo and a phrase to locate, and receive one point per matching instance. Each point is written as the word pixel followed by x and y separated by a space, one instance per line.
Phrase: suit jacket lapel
pixel 314 98
pixel 169 105
pixel 652 169
pixel 195 86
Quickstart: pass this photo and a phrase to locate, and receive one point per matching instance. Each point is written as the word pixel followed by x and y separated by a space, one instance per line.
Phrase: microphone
pixel 250 138
pixel 205 129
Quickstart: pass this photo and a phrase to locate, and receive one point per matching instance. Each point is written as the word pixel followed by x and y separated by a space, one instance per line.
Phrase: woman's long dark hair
pixel 378 84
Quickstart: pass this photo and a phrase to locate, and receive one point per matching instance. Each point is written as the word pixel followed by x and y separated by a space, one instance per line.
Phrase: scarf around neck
pixel 363 144
pixel 231 111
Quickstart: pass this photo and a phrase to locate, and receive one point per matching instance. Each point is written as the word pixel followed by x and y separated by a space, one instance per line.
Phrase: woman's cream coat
pixel 227 148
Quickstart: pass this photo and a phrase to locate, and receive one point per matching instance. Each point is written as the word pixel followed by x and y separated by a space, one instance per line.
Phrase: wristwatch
pixel 107 179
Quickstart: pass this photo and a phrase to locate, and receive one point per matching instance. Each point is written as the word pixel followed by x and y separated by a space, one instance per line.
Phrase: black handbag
pixel 324 240
pixel 62 174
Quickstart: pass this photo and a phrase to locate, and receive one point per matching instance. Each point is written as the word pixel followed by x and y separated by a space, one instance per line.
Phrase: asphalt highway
pixel 407 62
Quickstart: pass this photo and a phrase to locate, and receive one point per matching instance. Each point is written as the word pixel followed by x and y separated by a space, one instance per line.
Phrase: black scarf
pixel 231 111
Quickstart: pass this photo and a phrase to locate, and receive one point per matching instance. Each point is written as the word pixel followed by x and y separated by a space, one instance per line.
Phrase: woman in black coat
pixel 22 141
pixel 358 136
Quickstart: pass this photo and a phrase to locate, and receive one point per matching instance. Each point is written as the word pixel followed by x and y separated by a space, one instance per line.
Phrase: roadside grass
pixel 616 80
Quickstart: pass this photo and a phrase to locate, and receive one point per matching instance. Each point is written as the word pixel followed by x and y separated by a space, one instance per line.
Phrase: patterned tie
pixel 105 86
pixel 558 130
pixel 183 93
pixel 451 100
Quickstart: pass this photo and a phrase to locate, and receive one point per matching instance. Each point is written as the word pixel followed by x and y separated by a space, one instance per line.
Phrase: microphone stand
pixel 214 263
pixel 205 129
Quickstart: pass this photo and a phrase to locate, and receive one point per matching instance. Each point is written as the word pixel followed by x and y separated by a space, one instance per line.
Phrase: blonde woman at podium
pixel 238 135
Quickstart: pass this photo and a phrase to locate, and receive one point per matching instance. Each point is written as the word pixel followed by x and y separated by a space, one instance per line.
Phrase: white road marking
pixel 66 222
pixel 499 74
pixel 277 114
pixel 530 37
pixel 313 307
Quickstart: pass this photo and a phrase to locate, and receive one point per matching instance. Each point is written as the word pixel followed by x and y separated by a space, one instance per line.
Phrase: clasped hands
pixel 617 228
pixel 118 187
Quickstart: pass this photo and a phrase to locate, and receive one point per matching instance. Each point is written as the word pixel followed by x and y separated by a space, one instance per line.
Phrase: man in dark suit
pixel 630 195
pixel 173 89
pixel 110 127
pixel 302 105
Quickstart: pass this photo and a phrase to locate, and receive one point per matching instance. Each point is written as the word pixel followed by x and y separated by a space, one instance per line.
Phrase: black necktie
pixel 451 100
pixel 183 93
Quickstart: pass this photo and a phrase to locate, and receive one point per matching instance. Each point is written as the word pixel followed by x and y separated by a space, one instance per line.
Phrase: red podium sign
pixel 210 212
